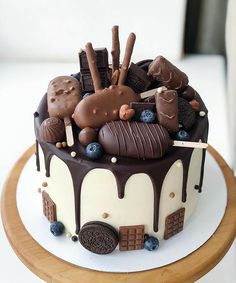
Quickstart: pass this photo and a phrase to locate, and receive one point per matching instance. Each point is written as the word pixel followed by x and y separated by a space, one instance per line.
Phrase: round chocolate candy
pixel 52 130
pixel 87 136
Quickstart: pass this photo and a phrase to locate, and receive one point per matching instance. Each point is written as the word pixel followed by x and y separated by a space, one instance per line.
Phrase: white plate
pixel 203 223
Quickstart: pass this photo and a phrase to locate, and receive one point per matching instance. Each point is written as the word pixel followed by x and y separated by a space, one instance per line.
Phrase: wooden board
pixel 52 269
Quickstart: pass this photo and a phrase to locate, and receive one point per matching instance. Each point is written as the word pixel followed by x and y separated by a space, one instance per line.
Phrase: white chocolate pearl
pixel 113 159
pixel 179 164
pixel 73 153
pixel 202 113
pixel 161 89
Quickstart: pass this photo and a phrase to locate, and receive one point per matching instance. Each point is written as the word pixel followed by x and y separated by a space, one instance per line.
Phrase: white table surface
pixel 21 88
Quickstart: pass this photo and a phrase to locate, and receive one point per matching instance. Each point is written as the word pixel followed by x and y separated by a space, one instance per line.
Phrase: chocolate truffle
pixel 52 130
pixel 87 135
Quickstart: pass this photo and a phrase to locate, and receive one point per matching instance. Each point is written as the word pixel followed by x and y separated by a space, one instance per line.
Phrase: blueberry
pixel 86 94
pixel 182 135
pixel 151 243
pixel 94 150
pixel 147 116
pixel 57 228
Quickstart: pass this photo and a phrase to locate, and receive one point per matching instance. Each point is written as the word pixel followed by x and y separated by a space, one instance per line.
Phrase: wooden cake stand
pixel 53 269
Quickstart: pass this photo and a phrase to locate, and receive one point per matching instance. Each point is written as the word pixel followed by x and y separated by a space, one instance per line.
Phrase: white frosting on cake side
pixel 99 195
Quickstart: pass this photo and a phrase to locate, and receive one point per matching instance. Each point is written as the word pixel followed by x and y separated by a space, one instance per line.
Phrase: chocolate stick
pixel 91 57
pixel 127 57
pixel 115 51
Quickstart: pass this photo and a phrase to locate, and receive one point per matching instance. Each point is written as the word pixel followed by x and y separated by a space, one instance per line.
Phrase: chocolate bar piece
pixel 166 73
pixel 101 59
pixel 87 82
pixel 140 106
pixel 167 109
pixel 187 116
pixel 174 223
pixel 131 237
pixel 137 79
pixel 188 93
pixel 144 64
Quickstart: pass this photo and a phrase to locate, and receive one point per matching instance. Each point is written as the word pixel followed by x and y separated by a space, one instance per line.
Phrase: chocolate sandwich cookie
pixel 98 237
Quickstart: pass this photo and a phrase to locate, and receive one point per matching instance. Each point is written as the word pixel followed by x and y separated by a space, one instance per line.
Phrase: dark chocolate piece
pixel 188 93
pixel 137 79
pixel 167 109
pixel 168 74
pixel 134 139
pixel 98 237
pixel 49 207
pixel 131 237
pixel 144 64
pixel 140 106
pixel 187 116
pixel 87 82
pixel 150 99
pixel 174 223
pixel 101 59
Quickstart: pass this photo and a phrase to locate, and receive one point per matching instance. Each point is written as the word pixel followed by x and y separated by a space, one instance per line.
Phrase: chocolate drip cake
pixel 121 150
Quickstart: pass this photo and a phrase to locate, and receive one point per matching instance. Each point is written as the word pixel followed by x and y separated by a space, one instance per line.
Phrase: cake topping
pixel 126 113
pixel 187 116
pixel 167 109
pixel 52 130
pixel 167 74
pixel 87 135
pixel 63 95
pixel 188 93
pixel 115 52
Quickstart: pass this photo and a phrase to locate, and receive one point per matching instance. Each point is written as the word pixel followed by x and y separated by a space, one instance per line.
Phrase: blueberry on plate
pixel 86 95
pixel 57 228
pixel 94 150
pixel 182 135
pixel 147 116
pixel 151 243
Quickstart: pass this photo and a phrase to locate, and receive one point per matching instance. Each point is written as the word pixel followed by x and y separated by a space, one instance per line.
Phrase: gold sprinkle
pixel 172 195
pixel 64 144
pixel 58 145
pixel 44 184
pixel 105 215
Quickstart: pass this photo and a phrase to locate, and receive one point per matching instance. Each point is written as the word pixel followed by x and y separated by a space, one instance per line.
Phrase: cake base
pixel 203 223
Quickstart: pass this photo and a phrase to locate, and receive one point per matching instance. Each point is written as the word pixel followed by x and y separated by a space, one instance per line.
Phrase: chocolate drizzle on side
pixel 156 169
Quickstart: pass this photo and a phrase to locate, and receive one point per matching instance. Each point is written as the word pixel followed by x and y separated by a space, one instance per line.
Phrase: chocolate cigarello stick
pixel 127 57
pixel 189 144
pixel 69 132
pixel 115 52
pixel 91 57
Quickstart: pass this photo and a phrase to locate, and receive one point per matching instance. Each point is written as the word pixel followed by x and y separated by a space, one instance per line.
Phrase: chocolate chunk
pixel 98 237
pixel 137 79
pixel 87 82
pixel 101 59
pixel 49 207
pixel 188 93
pixel 134 139
pixel 168 74
pixel 131 237
pixel 144 64
pixel 174 223
pixel 167 109
pixel 140 106
pixel 87 135
pixel 187 116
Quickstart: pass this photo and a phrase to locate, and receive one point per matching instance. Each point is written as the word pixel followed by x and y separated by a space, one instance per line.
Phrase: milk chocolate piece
pixel 167 109
pixel 166 73
pixel 52 130
pixel 140 106
pixel 131 237
pixel 144 64
pixel 64 93
pixel 49 207
pixel 187 116
pixel 137 79
pixel 103 106
pixel 134 139
pixel 188 93
pixel 174 223
pixel 87 135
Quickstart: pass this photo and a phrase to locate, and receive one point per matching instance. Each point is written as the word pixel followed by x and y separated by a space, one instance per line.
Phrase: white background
pixel 40 40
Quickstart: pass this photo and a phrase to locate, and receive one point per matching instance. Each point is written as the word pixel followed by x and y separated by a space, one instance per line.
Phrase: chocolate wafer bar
pixel 167 109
